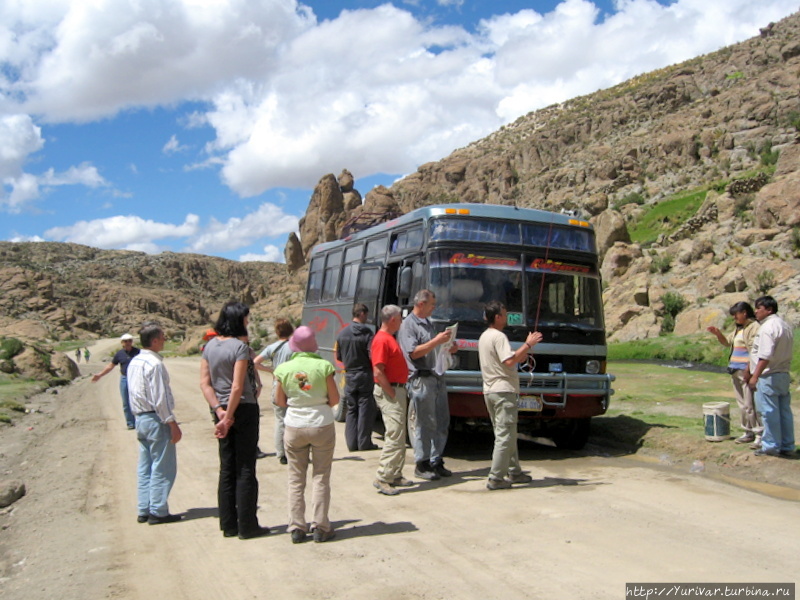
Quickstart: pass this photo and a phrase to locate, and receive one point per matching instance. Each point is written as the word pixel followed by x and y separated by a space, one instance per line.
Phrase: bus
pixel 542 266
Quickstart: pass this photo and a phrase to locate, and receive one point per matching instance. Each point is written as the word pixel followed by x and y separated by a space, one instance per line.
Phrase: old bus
pixel 543 266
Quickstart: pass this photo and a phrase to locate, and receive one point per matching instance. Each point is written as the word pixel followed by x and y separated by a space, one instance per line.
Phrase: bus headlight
pixel 593 367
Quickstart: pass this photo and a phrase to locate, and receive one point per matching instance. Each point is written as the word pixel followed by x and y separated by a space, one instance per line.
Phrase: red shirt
pixel 386 351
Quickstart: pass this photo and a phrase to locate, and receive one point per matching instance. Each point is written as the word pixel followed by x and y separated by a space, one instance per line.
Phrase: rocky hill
pixel 722 127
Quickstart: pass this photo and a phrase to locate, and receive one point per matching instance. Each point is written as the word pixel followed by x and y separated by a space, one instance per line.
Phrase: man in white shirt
pixel 770 361
pixel 157 430
pixel 501 393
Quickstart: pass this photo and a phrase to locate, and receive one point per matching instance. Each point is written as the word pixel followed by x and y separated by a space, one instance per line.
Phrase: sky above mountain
pixel 204 125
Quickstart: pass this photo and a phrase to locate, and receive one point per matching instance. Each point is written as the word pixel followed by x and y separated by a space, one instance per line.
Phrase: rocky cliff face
pixel 713 120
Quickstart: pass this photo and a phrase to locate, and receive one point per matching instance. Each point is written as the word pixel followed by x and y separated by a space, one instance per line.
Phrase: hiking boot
pixel 298 536
pixel 747 438
pixel 519 478
pixel 756 444
pixel 402 482
pixel 498 484
pixel 441 470
pixel 763 452
pixel 323 536
pixel 424 470
pixel 384 488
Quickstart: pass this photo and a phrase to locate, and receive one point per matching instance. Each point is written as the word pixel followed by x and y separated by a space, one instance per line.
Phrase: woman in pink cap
pixel 305 386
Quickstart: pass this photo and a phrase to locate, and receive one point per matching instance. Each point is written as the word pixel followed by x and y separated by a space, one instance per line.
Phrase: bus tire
pixel 340 412
pixel 574 435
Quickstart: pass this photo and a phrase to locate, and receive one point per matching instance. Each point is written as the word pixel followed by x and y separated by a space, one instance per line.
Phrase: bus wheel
pixel 574 435
pixel 340 412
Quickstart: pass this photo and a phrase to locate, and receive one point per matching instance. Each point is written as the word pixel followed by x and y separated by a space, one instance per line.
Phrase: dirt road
pixel 582 529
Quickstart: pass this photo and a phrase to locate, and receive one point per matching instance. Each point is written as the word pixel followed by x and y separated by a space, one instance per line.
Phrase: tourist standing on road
pixel 427 394
pixel 390 374
pixel 122 358
pixel 277 353
pixel 78 355
pixel 352 350
pixel 229 384
pixel 740 342
pixel 501 394
pixel 157 430
pixel 769 364
pixel 308 391
pixel 86 355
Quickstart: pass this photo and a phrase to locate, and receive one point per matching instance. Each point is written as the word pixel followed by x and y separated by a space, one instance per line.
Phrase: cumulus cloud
pixel 271 254
pixel 267 221
pixel 124 232
pixel 289 98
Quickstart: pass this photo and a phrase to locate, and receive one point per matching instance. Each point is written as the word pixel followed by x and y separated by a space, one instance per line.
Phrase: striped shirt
pixel 148 386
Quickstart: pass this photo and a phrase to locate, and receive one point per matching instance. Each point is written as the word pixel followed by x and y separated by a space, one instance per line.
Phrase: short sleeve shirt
pixel 493 349
pixel 123 358
pixel 773 343
pixel 304 381
pixel 386 351
pixel 415 332
pixel 222 356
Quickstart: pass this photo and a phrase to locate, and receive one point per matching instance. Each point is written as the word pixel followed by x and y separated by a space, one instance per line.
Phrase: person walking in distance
pixel 277 353
pixel 427 393
pixel 390 373
pixel 352 350
pixel 501 394
pixel 157 430
pixel 122 358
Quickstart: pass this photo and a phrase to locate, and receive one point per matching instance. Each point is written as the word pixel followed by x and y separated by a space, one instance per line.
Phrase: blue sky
pixel 203 125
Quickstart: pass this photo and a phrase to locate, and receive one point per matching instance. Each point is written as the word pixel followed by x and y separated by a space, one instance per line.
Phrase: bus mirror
pixel 404 283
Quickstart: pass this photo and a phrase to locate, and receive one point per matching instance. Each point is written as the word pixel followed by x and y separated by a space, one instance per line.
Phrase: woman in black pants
pixel 228 382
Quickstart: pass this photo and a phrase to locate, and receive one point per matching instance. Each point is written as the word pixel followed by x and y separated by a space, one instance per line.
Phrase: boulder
pixel 11 490
pixel 293 253
pixel 618 259
pixel 63 366
pixel 694 320
pixel 610 227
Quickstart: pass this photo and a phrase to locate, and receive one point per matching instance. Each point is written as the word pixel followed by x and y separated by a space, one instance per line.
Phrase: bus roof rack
pixel 365 220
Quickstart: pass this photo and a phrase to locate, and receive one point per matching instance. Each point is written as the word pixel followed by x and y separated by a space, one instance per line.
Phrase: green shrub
pixel 673 303
pixel 10 347
pixel 667 324
pixel 765 281
pixel 661 264
pixel 767 155
pixel 796 242
pixel 632 198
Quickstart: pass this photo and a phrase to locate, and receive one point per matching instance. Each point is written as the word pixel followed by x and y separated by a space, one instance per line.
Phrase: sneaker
pixel 230 532
pixel 255 533
pixel 384 488
pixel 402 482
pixel 142 518
pixel 747 438
pixel 282 460
pixel 788 453
pixel 298 536
pixel 498 484
pixel 763 452
pixel 323 536
pixel 441 470
pixel 156 520
pixel 519 478
pixel 756 445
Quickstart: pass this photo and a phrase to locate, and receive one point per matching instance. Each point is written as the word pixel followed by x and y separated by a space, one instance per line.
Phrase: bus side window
pixel 369 280
pixel 352 259
pixel 332 272
pixel 315 279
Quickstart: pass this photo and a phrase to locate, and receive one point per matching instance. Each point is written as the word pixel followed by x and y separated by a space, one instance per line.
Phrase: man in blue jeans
pixel 157 430
pixel 427 393
pixel 769 367
pixel 122 358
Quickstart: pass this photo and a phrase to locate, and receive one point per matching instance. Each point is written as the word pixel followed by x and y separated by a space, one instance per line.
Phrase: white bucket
pixel 717 418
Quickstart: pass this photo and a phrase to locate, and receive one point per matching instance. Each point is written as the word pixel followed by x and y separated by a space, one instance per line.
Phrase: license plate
pixel 532 403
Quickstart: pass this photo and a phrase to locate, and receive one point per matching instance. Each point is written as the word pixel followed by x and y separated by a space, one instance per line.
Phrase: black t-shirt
pixel 122 358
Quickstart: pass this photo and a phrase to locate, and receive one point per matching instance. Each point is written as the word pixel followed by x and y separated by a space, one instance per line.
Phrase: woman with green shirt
pixel 305 386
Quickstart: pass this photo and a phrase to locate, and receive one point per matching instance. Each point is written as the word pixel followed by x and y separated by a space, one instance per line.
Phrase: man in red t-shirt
pixel 390 371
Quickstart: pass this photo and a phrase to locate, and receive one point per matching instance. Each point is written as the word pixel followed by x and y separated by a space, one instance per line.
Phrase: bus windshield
pixel 563 294
pixel 465 281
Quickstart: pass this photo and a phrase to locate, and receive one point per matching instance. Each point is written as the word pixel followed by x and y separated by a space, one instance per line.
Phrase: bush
pixel 632 198
pixel 769 156
pixel 796 242
pixel 765 281
pixel 673 303
pixel 668 324
pixel 661 264
pixel 10 347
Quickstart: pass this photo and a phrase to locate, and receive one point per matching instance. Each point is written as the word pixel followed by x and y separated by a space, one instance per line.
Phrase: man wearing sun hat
pixel 122 358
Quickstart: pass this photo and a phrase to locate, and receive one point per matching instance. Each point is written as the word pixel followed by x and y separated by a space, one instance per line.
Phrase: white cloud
pixel 266 222
pixel 271 254
pixel 26 238
pixel 124 232
pixel 173 146
pixel 290 99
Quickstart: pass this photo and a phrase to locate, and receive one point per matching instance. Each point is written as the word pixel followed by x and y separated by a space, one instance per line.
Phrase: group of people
pixel 759 363
pixel 395 371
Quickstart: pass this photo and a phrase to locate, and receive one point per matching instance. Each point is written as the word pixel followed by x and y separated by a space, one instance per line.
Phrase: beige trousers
pixel 393 454
pixel 745 397
pixel 314 444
